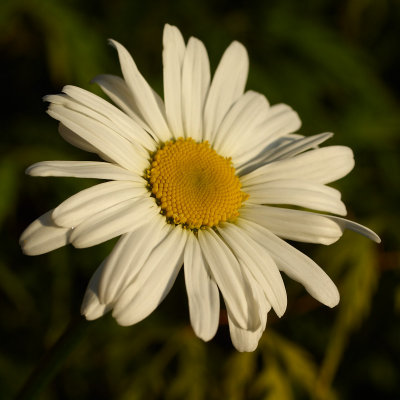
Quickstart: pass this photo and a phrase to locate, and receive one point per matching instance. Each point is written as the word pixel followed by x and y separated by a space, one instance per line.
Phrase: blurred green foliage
pixel 336 63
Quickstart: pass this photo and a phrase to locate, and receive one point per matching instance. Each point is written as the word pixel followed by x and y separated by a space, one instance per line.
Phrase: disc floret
pixel 194 185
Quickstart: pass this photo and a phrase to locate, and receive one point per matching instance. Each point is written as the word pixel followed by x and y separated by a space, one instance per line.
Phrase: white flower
pixel 194 180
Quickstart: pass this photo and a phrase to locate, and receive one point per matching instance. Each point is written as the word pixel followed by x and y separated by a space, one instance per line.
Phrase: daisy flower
pixel 205 179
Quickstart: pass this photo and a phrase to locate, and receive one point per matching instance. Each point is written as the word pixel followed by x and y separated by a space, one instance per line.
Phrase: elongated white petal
pixel 227 86
pixel 118 91
pixel 304 226
pixel 323 165
pixel 244 340
pixel 72 138
pixel 76 140
pixel 43 235
pixel 94 106
pixel 100 137
pixel 281 120
pixel 91 307
pixel 88 202
pixel 247 340
pixel 297 146
pixel 301 226
pixel 295 264
pixel 297 192
pixel 292 136
pixel 226 271
pixel 237 128
pixel 173 53
pixel 355 227
pixel 280 149
pixel 112 222
pixel 202 291
pixel 83 169
pixel 154 281
pixel 195 84
pixel 128 257
pixel 259 263
pixel 143 95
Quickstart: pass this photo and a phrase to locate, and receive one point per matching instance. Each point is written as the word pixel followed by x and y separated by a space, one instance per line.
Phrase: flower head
pixel 197 179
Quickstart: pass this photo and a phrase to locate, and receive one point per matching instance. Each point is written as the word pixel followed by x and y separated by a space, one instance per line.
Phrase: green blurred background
pixel 337 63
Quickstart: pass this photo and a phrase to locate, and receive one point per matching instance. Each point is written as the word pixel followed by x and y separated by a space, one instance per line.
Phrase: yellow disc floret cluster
pixel 193 185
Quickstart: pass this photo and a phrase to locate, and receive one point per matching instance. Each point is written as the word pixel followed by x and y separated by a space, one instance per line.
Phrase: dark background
pixel 337 64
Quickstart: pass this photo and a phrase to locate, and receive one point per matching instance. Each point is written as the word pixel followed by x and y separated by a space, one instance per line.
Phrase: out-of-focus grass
pixel 337 64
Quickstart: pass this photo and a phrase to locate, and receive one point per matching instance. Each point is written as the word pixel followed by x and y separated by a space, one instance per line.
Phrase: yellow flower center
pixel 194 185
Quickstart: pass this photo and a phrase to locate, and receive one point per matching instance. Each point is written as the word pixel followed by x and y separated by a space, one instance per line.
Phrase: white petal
pixel 237 128
pixel 112 222
pixel 72 138
pixel 301 226
pixel 129 256
pixel 293 136
pixel 118 91
pixel 91 307
pixel 227 273
pixel 43 235
pixel 280 121
pixel 297 146
pixel 99 136
pixel 259 263
pixel 154 281
pixel 227 86
pixel 295 264
pixel 297 192
pixel 244 339
pixel 94 106
pixel 323 165
pixel 83 169
pixel 195 84
pixel 173 53
pixel 304 226
pixel 353 226
pixel 143 95
pixel 202 291
pixel 88 202
pixel 280 149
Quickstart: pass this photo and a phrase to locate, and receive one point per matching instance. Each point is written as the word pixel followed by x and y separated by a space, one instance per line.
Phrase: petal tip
pixel 115 44
pixel 333 303
pixel 111 42
pixel 331 299
pixel 29 170
pixel 170 28
pixel 376 238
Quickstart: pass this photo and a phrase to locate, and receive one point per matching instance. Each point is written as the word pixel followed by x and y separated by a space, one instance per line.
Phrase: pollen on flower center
pixel 194 185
